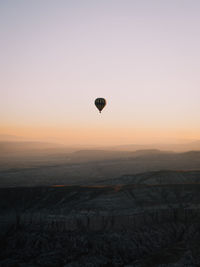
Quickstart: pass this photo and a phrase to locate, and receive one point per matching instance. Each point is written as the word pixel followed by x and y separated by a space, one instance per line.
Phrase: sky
pixel 143 56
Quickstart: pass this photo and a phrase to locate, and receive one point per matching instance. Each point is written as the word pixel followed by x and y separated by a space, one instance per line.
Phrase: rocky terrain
pixel 60 207
pixel 145 219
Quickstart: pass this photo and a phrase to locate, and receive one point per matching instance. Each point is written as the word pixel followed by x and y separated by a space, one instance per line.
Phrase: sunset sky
pixel 143 56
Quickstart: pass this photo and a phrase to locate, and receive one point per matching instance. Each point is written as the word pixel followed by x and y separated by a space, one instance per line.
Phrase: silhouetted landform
pixel 62 207
pixel 146 219
pixel 94 155
pixel 85 167
pixel 195 145
pixel 11 145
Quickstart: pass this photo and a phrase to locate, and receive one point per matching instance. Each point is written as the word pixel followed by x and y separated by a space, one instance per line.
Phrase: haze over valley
pixel 39 163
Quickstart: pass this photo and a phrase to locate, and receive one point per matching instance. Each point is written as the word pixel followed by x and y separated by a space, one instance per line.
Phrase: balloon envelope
pixel 100 103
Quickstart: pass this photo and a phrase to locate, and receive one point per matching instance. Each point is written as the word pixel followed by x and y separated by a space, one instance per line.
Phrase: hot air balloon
pixel 100 103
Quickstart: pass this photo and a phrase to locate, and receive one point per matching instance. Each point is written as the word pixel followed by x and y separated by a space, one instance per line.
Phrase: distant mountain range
pixel 14 144
pixel 195 145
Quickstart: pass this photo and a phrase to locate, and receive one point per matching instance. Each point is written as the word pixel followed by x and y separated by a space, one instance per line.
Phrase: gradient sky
pixel 143 56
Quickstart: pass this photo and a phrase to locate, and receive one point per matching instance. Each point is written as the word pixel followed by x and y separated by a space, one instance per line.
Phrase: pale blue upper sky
pixel 57 56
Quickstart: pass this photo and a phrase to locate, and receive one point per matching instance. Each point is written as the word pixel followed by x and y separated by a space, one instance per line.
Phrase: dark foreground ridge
pixel 147 219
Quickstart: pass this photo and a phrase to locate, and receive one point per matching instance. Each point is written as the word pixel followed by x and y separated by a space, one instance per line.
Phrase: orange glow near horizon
pixel 103 136
pixel 143 57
